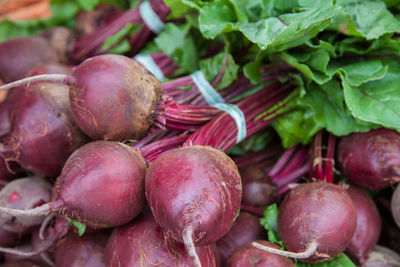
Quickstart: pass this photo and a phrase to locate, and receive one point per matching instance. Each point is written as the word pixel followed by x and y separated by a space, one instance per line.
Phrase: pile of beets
pixel 94 172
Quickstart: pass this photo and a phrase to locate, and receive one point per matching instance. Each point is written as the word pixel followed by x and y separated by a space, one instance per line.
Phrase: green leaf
pixel 255 143
pixel 116 41
pixel 88 4
pixel 376 101
pixel 80 226
pixel 270 223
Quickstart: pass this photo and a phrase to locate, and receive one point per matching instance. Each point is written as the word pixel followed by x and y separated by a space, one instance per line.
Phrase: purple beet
pixel 142 243
pixel 85 251
pixel 368 227
pixel 246 228
pixel 257 188
pixel 194 193
pixel 371 159
pixel 18 56
pixel 318 218
pixel 249 256
pixel 42 131
pixel 23 194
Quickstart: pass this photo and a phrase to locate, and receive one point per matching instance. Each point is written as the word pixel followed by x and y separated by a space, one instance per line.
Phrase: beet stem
pixel 310 250
pixel 38 211
pixel 46 258
pixel 44 225
pixel 189 245
pixel 39 78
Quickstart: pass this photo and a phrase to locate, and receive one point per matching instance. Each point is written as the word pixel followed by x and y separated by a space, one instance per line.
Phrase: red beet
pixel 246 228
pixel 368 227
pixel 194 193
pixel 250 256
pixel 42 131
pixel 317 213
pixel 4 119
pixel 371 159
pixel 85 251
pixel 142 243
pixel 7 238
pixel 20 264
pixel 60 40
pixel 18 56
pixel 23 194
pixel 257 188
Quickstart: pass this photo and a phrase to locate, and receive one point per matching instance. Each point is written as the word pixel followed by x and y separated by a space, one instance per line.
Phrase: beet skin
pixel 142 243
pixel 194 187
pixel 318 212
pixel 372 159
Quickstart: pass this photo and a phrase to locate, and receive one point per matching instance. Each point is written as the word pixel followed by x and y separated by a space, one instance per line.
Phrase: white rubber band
pixel 148 62
pixel 237 114
pixel 150 18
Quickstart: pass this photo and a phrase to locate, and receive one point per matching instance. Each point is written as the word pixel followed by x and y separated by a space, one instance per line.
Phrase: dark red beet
pixel 257 188
pixel 194 193
pixel 368 227
pixel 250 256
pixel 50 69
pixel 114 90
pixel 85 251
pixel 317 212
pixel 42 133
pixel 382 257
pixel 246 228
pixel 372 159
pixel 23 194
pixel 18 56
pixel 7 238
pixel 142 243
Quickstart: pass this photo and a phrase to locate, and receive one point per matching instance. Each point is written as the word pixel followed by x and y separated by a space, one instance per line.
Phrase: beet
pixel 4 119
pixel 60 40
pixel 194 193
pixel 85 251
pixel 246 228
pixel 368 227
pixel 42 131
pixel 249 256
pixel 258 189
pixel 23 194
pixel 382 257
pixel 395 205
pixel 142 243
pixel 317 213
pixel 50 69
pixel 20 264
pixel 371 159
pixel 8 238
pixel 18 56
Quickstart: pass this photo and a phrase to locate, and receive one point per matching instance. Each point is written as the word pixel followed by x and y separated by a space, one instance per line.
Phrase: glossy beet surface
pixel 246 228
pixel 368 227
pixel 85 251
pixel 257 188
pixel 194 187
pixel 142 243
pixel 42 131
pixel 250 256
pixel 317 212
pixel 372 159
pixel 102 184
pixel 114 97
pixel 20 55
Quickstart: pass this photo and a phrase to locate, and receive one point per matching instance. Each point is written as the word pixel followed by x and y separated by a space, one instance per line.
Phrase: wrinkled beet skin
pixel 246 228
pixel 257 188
pixel 18 56
pixel 371 160
pixel 317 212
pixel 102 184
pixel 110 91
pixel 85 251
pixel 369 225
pixel 43 133
pixel 250 256
pixel 194 186
pixel 142 243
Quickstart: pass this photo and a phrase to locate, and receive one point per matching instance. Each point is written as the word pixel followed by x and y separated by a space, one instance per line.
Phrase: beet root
pixel 42 132
pixel 371 159
pixel 142 243
pixel 368 227
pixel 246 228
pixel 114 90
pixel 194 193
pixel 317 213
pixel 249 256
pixel 85 251
pixel 23 194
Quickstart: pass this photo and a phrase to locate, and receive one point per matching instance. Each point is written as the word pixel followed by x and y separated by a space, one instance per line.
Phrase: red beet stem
pixel 310 250
pixel 189 245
